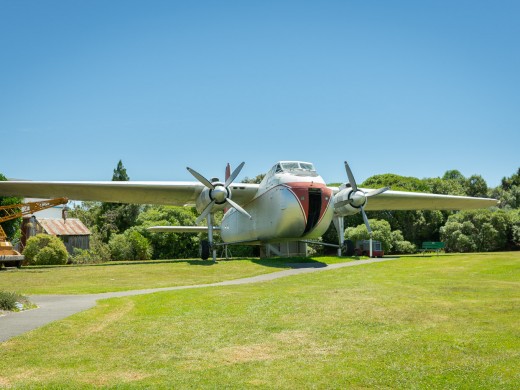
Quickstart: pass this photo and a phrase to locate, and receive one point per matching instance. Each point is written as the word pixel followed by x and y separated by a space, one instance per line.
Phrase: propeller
pixel 358 197
pixel 219 193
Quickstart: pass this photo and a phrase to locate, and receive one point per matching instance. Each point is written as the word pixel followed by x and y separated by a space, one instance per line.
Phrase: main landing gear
pixel 205 249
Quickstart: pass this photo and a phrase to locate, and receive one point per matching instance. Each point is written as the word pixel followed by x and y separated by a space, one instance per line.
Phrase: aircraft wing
pixel 175 193
pixel 401 200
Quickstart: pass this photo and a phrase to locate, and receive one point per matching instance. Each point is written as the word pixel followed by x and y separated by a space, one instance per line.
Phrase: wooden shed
pixel 72 232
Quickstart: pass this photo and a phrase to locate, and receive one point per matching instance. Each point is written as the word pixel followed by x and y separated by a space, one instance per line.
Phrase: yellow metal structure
pixel 7 213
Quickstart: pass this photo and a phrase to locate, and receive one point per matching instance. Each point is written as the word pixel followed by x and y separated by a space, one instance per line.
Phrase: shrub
pixel 131 245
pixel 7 300
pixel 44 249
pixel 392 241
pixel 404 247
pixel 12 301
pixel 83 256
pixel 141 247
pixel 99 251
pixel 120 247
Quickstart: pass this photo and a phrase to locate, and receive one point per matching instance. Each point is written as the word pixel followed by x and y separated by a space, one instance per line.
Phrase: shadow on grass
pixel 290 262
pixel 294 262
pixel 276 262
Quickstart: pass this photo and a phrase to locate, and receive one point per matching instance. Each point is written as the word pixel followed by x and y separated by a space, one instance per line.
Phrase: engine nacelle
pixel 348 202
pixel 219 194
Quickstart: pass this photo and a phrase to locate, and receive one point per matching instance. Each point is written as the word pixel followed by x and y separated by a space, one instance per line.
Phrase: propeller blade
pixel 351 179
pixel 366 221
pixel 201 178
pixel 233 176
pixel 238 208
pixel 205 212
pixel 377 192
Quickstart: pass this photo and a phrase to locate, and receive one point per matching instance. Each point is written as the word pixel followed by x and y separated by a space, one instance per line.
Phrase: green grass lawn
pixel 418 322
pixel 122 276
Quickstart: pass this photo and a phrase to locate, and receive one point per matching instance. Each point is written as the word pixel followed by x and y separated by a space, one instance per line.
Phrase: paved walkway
pixel 56 307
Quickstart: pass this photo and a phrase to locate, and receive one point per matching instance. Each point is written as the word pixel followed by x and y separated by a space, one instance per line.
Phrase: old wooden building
pixel 72 231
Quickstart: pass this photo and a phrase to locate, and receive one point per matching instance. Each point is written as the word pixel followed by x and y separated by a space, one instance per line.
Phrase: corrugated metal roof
pixel 57 227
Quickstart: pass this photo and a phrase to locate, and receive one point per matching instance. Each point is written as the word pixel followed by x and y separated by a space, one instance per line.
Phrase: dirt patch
pixel 104 321
pixel 115 377
pixel 4 382
pixel 247 353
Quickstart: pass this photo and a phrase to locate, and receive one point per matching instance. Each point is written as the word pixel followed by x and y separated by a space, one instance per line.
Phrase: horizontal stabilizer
pixel 182 229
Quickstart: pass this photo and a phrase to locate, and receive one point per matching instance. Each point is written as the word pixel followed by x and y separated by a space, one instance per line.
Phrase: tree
pixel 458 238
pixel 12 227
pixel 120 173
pixel 445 186
pixel 131 245
pixel 509 199
pixel 508 192
pixel 415 225
pixel 477 230
pixel 513 180
pixel 44 249
pixel 396 182
pixel 392 241
pixel 515 228
pixel 115 218
pixel 169 245
pixel 255 180
pixel 476 186
pixel 454 175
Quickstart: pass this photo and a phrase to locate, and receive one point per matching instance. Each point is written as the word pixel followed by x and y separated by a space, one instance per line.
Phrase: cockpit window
pixel 298 168
pixel 307 166
pixel 289 166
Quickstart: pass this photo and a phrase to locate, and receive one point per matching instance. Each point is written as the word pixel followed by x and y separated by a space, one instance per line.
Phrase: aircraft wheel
pixel 205 249
pixel 349 248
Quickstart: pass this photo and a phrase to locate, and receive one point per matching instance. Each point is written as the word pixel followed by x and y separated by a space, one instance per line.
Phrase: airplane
pixel 292 203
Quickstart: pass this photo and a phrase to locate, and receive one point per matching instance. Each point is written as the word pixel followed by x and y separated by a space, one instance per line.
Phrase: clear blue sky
pixel 407 87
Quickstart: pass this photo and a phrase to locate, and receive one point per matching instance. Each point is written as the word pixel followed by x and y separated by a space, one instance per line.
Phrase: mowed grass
pixel 123 276
pixel 417 322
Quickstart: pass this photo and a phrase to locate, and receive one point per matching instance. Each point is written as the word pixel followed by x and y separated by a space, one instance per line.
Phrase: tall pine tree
pixel 117 217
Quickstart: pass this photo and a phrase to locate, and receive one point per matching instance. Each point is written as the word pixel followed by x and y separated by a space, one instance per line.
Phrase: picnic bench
pixel 430 246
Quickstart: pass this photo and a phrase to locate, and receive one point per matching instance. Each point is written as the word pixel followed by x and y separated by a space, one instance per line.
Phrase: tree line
pixel 119 231
pixel 493 229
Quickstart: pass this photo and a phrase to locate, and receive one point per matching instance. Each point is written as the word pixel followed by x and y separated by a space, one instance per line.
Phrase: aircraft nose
pixel 314 200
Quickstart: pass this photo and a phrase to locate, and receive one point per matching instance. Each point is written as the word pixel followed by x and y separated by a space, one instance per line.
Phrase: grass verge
pixel 420 322
pixel 123 276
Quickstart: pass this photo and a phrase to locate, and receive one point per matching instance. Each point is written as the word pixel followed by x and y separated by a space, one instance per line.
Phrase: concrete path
pixel 56 307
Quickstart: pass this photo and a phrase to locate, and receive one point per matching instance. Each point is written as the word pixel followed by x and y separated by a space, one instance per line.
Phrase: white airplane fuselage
pixel 291 204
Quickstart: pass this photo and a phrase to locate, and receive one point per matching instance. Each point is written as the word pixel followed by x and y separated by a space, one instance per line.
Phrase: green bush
pixel 404 247
pixel 131 245
pixel 141 247
pixel 99 252
pixel 120 247
pixel 12 301
pixel 44 249
pixel 392 241
pixel 478 231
